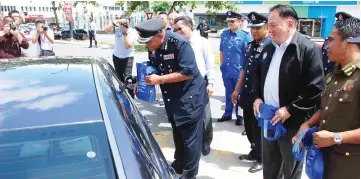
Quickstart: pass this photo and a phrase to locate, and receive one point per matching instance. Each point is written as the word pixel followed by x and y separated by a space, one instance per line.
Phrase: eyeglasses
pixel 231 21
pixel 177 29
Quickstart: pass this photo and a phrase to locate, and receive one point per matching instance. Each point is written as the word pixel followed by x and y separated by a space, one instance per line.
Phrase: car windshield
pixel 69 151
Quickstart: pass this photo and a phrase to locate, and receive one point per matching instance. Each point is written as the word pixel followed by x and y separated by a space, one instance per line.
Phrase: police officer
pixel 339 115
pixel 203 28
pixel 232 48
pixel 183 89
pixel 328 66
pixel 258 24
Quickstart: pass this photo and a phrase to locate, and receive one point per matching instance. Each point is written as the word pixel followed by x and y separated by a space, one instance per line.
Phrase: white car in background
pixel 26 30
pixel 220 31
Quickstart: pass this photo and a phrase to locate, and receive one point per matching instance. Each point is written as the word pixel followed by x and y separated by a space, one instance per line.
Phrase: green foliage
pixel 136 6
pixel 158 6
pixel 94 3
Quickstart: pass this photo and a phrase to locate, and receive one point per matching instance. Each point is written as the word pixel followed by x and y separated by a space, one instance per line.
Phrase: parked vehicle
pixel 219 32
pixel 71 118
pixel 26 30
pixel 79 34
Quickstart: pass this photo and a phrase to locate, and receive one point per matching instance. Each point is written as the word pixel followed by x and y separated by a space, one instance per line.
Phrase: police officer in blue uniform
pixel 232 53
pixel 244 88
pixel 327 65
pixel 183 89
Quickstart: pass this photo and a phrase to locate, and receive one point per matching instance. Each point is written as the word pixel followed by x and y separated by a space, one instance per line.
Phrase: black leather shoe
pixel 206 149
pixel 222 119
pixel 177 167
pixel 247 157
pixel 256 167
pixel 244 132
pixel 90 47
pixel 239 122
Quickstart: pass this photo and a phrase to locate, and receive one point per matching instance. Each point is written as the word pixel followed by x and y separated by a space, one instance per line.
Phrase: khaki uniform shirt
pixel 340 112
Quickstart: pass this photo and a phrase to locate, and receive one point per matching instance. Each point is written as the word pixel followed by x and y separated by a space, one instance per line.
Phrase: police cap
pixel 148 29
pixel 355 40
pixel 233 16
pixel 340 16
pixel 257 19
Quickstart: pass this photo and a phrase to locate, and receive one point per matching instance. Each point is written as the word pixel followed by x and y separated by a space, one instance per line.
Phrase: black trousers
pixel 91 38
pixel 207 125
pixel 188 145
pixel 123 67
pixel 253 132
pixel 277 156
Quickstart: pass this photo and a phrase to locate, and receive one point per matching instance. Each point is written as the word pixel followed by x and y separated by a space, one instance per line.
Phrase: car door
pixel 142 139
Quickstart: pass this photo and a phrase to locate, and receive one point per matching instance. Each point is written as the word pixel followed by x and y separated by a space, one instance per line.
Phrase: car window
pixel 69 151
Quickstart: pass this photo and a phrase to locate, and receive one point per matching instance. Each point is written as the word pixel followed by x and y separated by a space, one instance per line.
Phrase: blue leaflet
pixel 314 158
pixel 145 92
pixel 267 112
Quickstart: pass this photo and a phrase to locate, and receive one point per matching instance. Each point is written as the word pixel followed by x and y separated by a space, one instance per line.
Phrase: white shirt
pixel 119 50
pixel 271 86
pixel 45 43
pixel 92 26
pixel 203 55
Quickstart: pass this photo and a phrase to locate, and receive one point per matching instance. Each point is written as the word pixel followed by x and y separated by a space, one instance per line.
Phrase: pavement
pixel 228 143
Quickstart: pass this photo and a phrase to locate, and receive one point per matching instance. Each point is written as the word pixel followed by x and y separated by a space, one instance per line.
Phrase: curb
pixel 82 43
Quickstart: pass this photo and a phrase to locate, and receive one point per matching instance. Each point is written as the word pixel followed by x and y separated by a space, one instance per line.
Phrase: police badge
pixel 253 17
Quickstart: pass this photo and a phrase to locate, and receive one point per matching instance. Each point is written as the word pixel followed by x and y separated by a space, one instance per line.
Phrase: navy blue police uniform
pixel 327 65
pixel 245 98
pixel 184 101
pixel 233 46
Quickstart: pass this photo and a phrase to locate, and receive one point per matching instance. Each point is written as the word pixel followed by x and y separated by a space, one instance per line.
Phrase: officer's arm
pixel 312 80
pixel 256 85
pixel 221 51
pixel 240 81
pixel 187 65
pixel 351 137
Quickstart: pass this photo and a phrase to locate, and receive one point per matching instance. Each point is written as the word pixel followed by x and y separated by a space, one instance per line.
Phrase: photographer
pixel 17 17
pixel 123 54
pixel 11 40
pixel 43 37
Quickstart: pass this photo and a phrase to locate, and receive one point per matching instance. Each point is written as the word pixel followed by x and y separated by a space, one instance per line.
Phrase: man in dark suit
pixel 289 76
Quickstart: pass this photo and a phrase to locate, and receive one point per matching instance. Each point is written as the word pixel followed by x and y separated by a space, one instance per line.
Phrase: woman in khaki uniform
pixel 339 115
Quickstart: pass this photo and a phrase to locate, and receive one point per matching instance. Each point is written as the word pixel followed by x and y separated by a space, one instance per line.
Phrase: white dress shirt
pixel 271 86
pixel 92 26
pixel 45 42
pixel 203 55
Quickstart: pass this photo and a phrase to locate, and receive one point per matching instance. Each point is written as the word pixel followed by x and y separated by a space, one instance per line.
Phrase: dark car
pixel 71 118
pixel 79 34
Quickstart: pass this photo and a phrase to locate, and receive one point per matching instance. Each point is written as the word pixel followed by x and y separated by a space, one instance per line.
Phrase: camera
pixel 44 28
pixel 13 27
pixel 125 24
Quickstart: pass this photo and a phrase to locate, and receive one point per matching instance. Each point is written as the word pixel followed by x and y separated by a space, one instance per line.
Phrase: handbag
pixel 45 52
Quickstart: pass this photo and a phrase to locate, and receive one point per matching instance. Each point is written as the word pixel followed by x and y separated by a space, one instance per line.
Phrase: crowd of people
pixel 12 40
pixel 272 71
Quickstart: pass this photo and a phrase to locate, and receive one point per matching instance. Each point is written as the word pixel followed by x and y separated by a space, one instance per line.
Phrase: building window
pixel 117 8
pixel 105 7
pixel 22 8
pixel 26 8
pixel 44 9
pixel 111 8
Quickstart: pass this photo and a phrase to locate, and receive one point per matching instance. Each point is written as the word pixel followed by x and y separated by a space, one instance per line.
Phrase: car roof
pixel 38 92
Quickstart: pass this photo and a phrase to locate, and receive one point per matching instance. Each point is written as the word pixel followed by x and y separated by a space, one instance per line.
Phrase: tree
pixel 213 6
pixel 55 8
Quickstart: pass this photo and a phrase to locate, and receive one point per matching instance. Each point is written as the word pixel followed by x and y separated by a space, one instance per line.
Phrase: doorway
pixel 310 27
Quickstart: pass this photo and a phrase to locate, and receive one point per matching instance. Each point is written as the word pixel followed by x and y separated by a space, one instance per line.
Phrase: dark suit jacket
pixel 300 77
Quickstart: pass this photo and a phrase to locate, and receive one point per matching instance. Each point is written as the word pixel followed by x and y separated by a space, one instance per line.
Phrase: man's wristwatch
pixel 337 138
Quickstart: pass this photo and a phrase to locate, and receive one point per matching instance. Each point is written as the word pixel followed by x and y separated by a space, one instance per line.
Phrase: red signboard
pixel 68 11
pixel 149 15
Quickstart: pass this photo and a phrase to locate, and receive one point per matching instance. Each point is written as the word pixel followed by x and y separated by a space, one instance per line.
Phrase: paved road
pixel 228 143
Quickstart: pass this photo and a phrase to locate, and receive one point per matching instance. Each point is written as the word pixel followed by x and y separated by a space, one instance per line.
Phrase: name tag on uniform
pixel 169 56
